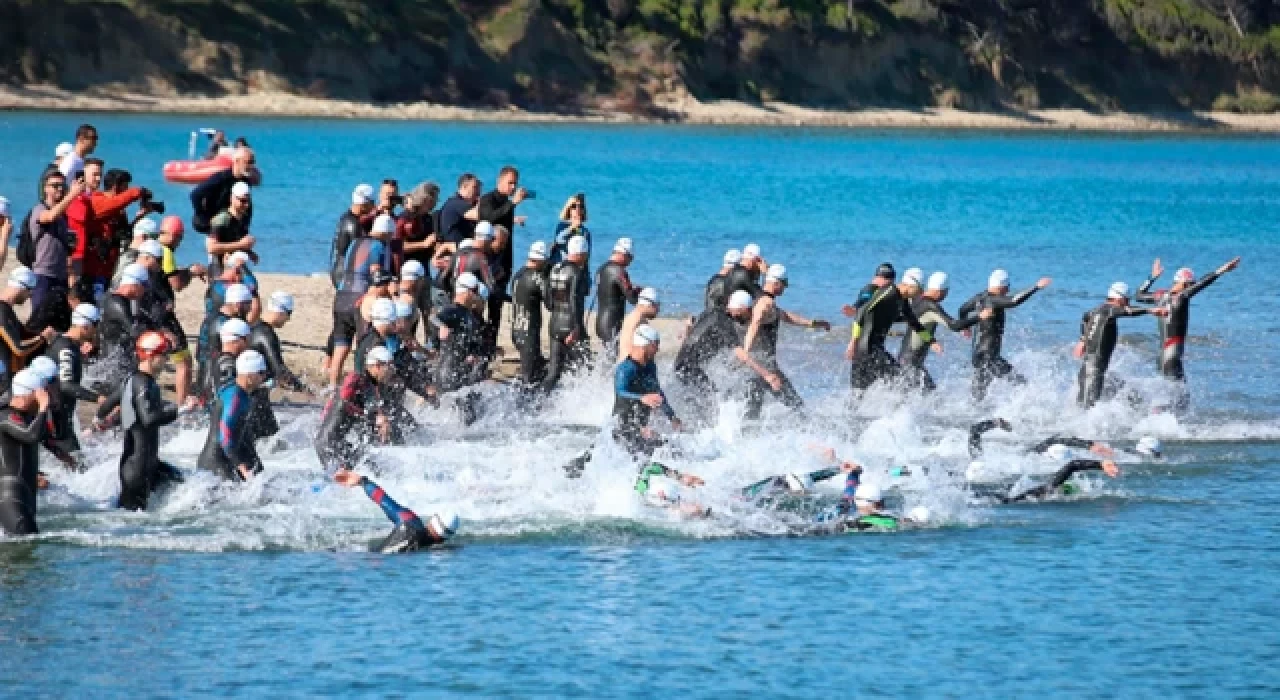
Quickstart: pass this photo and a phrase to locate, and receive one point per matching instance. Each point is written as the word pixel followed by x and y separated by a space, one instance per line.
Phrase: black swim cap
pixel 886 271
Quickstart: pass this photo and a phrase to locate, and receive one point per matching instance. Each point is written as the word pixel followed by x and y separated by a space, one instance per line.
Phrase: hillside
pixel 633 56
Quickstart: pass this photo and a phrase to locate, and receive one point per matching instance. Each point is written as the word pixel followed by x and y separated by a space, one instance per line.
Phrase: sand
pixel 686 110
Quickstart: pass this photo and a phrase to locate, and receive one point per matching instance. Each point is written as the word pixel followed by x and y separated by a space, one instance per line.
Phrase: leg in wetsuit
pixel 565 358
pixel 871 366
pixel 990 368
pixel 757 387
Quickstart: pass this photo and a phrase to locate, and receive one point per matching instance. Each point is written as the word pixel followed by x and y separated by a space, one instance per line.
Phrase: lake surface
pixel 1160 582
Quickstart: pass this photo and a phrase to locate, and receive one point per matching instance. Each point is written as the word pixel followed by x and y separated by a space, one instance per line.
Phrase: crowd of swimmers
pixel 419 296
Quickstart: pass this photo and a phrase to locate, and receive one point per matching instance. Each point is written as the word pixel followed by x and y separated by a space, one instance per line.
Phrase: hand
pixel 936 347
pixel 42 481
pixel 198 270
pixel 1156 269
pixel 48 334
pixel 346 477
pixel 677 425
pixel 86 348
pixel 520 220
pixel 384 428
pixel 820 324
pixel 519 195
pixel 774 381
pixel 77 187
pixel 245 472
pixel 652 400
pixel 1043 282
pixel 1231 265
pixel 848 311
pixel 249 242
pixel 691 480
pixel 1078 351
pixel 42 399
pixel 1110 469
pixel 984 314
pixel 571 338
pixel 1102 448
pixel 851 351
pixel 444 332
pixel 1161 311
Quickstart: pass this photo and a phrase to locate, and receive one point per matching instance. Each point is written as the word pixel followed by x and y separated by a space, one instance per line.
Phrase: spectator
pixel 499 208
pixel 458 216
pixel 6 228
pixel 216 143
pixel 213 196
pixel 351 226
pixel 229 230
pixel 92 216
pixel 63 150
pixel 416 228
pixel 72 164
pixel 573 220
pixel 54 243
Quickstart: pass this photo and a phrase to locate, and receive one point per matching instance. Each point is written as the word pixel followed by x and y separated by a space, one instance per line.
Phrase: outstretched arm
pixel 977 430
pixel 394 511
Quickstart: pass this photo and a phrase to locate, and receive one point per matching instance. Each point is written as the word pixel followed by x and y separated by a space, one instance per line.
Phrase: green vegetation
pixel 632 54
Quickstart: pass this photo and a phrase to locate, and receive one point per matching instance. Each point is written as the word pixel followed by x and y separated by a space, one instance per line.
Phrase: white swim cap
pixel 1118 290
pixel 404 309
pixel 740 299
pixel 919 514
pixel 868 493
pixel 1184 274
pixel 25 383
pixel 63 150
pixel 484 230
pixel 578 245
pixel 133 273
pixel 152 248
pixel 4 206
pixel 238 259
pixel 384 224
pixel 250 362
pixel 466 244
pixel 43 366
pixel 362 194
pixel 444 523
pixel 733 257
pixel 412 270
pixel 1149 447
pixel 234 328
pixel 998 278
pixel 146 227
pixel 645 335
pixel 1058 452
pixel 649 296
pixel 237 294
pixel 467 281
pixel 22 276
pixel 538 251
pixel 280 302
pixel 378 355
pixel 85 315
pixel 750 250
pixel 240 190
pixel 623 246
pixel 913 276
pixel 794 483
pixel 939 282
pixel 482 289
pixel 776 272
pixel 383 311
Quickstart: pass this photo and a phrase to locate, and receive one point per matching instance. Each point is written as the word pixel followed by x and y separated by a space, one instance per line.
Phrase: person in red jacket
pixel 90 216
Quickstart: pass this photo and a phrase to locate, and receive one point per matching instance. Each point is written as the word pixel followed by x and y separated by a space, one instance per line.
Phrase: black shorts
pixel 174 326
pixel 346 324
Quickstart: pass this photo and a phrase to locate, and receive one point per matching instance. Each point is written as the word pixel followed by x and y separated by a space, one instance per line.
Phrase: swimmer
pixel 647 309
pixel 365 260
pixel 17 345
pixel 1098 334
pixel 869 514
pixel 567 290
pixel 715 334
pixel 759 349
pixel 415 289
pixel 528 299
pixel 411 533
pixel 233 339
pixel 123 322
pixel 745 275
pixel 142 413
pixel 263 338
pixel 1058 485
pixel 637 393
pixel 22 427
pixel 884 306
pixel 59 429
pixel 717 294
pixel 614 291
pixel 977 430
pixel 356 414
pixel 212 373
pixel 229 451
pixel 988 340
pixel 661 486
pixel 928 310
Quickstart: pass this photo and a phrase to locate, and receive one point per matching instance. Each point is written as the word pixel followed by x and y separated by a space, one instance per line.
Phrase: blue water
pixel 1162 582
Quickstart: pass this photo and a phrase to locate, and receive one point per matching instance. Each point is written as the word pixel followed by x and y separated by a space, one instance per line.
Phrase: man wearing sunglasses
pixel 54 244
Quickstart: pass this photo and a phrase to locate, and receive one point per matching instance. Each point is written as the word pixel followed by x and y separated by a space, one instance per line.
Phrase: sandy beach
pixel 683 111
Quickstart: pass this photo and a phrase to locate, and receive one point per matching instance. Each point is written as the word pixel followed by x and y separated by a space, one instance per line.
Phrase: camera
pixel 397 200
pixel 530 194
pixel 151 205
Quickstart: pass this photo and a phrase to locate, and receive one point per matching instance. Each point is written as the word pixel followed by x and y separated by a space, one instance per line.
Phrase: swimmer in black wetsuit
pixel 567 289
pixel 716 333
pixel 759 349
pixel 357 414
pixel 988 339
pixel 928 310
pixel 229 451
pixel 528 299
pixel 1098 340
pixel 1173 327
pixel 411 533
pixel 23 420
pixel 717 294
pixel 745 276
pixel 614 290
pixel 262 337
pixel 1058 485
pixel 142 413
pixel 123 322
pixel 881 305
pixel 415 289
pixel 977 430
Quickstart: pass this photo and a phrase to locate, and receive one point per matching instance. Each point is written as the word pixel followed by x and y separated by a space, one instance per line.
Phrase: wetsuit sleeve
pixel 953 324
pixel 1072 468
pixel 394 511
pixel 666 409
pixel 26 433
pixel 576 301
pixel 1201 284
pixel 630 291
pixel 275 363
pixel 968 307
pixel 111 403
pixel 77 391
pixel 823 474
pixel 1045 444
pixel 1015 300
pixel 622 379
pixel 909 317
pixel 19 347
pixel 152 410
pixel 489 212
pixel 450 317
pixel 1144 294
pixel 977 430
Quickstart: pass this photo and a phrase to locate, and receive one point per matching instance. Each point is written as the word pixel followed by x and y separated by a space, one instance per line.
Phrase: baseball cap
pixel 886 271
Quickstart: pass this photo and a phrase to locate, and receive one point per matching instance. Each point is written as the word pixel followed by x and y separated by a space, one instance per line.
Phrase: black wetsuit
pixel 742 279
pixel 765 352
pixel 567 290
pixel 714 334
pixel 631 382
pixel 66 353
pixel 142 413
pixel 1173 328
pixel 472 260
pixel 1098 332
pixel 717 294
pixel 463 360
pixel 977 430
pixel 988 338
pixel 263 338
pixel 1057 481
pixel 349 229
pixel 613 292
pixel 884 307
pixel 122 322
pixel 914 350
pixel 16 345
pixel 410 533
pixel 528 299
pixel 348 422
pixel 20 436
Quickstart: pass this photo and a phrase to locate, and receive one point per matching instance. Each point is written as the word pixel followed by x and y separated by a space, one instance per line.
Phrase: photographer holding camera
pixel 499 208
pixel 52 243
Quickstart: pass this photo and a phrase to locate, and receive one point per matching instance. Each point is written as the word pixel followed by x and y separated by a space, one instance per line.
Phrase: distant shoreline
pixel 689 112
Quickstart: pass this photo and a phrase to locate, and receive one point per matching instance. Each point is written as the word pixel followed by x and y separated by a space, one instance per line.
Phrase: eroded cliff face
pixel 634 55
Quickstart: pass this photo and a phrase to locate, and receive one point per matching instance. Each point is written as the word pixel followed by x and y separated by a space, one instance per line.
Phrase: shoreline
pixel 682 112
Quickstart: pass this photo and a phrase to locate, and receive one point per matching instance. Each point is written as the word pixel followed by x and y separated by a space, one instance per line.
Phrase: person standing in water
pixel 1173 325
pixel 715 334
pixel 886 304
pixel 528 300
pixel 717 294
pixel 1098 334
pixel 614 291
pixel 567 290
pixel 988 340
pixel 22 427
pixel 759 349
pixel 229 451
pixel 928 310
pixel 745 275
